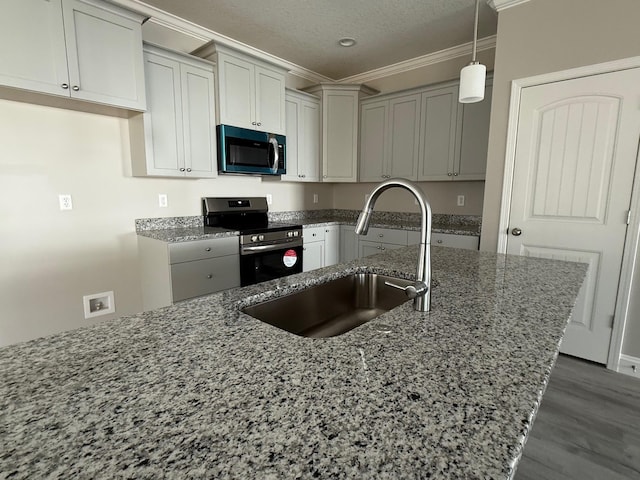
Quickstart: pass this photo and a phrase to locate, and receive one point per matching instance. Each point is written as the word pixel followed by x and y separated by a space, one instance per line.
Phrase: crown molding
pixel 465 49
pixel 185 27
pixel 499 5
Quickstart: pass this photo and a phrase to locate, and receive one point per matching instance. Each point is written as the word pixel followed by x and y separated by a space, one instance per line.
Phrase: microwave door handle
pixel 276 154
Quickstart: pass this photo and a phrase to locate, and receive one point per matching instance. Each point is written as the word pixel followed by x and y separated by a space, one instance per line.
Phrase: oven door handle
pixel 266 248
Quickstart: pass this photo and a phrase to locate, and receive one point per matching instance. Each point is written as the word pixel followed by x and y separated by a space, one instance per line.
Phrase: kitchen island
pixel 201 390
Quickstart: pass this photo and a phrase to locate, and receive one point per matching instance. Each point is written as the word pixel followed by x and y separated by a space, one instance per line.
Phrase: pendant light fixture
pixel 472 77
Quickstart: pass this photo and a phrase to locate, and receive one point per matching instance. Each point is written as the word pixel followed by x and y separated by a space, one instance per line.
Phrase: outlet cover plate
pixel 98 304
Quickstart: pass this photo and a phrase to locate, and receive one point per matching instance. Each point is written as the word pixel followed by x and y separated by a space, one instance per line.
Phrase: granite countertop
pixel 201 390
pixel 184 234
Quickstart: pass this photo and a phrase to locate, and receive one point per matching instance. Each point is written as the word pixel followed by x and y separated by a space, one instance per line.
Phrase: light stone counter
pixel 200 390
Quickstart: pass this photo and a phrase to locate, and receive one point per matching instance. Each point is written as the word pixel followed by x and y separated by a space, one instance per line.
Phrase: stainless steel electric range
pixel 268 249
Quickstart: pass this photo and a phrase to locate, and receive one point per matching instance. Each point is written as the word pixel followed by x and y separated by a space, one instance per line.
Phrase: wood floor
pixel 588 426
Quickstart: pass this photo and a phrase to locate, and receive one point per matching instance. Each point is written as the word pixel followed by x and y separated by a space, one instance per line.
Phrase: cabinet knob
pixel 65 86
pixel 188 169
pixel 455 174
pixel 75 88
pixel 182 169
pixel 378 247
pixel 439 241
pixel 449 174
pixel 259 124
pixel 208 249
pixel 324 176
pixel 253 123
pixel 304 248
pixel 209 276
pixel 381 248
pixel 381 235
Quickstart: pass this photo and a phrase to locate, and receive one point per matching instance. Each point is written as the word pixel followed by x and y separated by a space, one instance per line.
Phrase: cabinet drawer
pixel 386 235
pixel 200 249
pixel 469 242
pixel 313 234
pixel 201 277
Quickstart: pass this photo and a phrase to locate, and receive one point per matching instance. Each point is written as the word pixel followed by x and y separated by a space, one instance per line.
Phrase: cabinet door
pixel 468 242
pixel 374 144
pixel 474 140
pixel 313 256
pixel 236 94
pixel 270 102
pixel 331 245
pixel 199 126
pixel 32 50
pixel 366 248
pixel 348 243
pixel 163 129
pixel 438 130
pixel 104 52
pixel 192 279
pixel 404 137
pixel 292 110
pixel 309 141
pixel 340 136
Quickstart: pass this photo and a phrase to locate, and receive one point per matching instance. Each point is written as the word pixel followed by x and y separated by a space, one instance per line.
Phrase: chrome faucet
pixel 420 291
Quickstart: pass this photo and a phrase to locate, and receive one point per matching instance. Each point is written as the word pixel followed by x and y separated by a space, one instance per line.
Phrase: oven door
pixel 259 264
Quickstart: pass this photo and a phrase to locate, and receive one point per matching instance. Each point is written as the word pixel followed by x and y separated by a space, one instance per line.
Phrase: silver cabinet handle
pixel 65 86
pixel 449 174
pixel 188 169
pixel 259 124
pixel 75 88
pixel 516 232
pixel 209 276
pixel 380 235
pixel 253 123
pixel 455 174
pixel 182 169
pixel 208 249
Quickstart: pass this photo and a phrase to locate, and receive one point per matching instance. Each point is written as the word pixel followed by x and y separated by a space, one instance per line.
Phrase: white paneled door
pixel 576 149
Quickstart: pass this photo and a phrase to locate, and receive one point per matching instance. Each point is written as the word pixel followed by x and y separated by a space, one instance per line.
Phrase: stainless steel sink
pixel 332 308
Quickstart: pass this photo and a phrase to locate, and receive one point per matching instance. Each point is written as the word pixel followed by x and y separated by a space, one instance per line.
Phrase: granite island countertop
pixel 201 390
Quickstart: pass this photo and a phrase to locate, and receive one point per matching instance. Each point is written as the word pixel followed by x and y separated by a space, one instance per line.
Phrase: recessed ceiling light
pixel 347 42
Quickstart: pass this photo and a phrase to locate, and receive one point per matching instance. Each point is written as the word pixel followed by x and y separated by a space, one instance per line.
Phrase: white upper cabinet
pixel 454 136
pixel 389 138
pixel 84 49
pixel 175 137
pixel 251 92
pixel 303 137
pixel 438 133
pixel 339 146
pixel 474 138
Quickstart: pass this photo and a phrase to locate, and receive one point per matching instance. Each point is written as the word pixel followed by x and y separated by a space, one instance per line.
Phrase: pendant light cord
pixel 475 34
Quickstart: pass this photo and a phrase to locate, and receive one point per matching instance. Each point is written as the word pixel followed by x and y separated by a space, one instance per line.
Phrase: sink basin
pixel 331 308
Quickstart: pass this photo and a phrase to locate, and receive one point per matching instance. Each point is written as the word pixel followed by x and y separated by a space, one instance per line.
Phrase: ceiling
pixel 306 32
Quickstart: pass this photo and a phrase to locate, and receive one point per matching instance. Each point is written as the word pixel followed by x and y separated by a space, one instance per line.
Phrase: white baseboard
pixel 627 364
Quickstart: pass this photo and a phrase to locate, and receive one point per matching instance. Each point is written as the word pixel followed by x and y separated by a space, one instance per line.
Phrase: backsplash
pixel 352 215
pixel 335 214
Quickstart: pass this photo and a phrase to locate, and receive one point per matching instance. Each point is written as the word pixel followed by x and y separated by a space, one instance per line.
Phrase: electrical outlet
pixel 163 200
pixel 65 202
pixel 461 200
pixel 98 304
pixel 269 199
pixel 315 198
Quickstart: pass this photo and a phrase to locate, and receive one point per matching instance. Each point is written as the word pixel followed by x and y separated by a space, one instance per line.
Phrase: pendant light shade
pixel 472 77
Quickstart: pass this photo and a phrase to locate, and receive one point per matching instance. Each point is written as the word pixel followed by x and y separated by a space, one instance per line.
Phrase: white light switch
pixel 163 200
pixel 461 200
pixel 315 198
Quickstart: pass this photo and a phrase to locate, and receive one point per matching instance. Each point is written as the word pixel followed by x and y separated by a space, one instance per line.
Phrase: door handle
pixel 516 232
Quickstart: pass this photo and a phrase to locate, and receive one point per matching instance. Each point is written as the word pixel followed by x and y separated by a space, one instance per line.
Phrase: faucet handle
pixel 416 290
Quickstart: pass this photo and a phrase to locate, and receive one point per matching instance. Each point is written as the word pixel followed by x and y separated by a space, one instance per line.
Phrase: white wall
pixel 51 258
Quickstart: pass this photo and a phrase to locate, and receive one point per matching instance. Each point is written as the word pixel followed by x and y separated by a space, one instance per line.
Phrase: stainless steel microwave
pixel 241 150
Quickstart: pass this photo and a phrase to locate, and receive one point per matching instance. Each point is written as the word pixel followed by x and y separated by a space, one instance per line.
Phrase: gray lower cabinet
pixel 171 272
pixel 377 240
pixel 348 243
